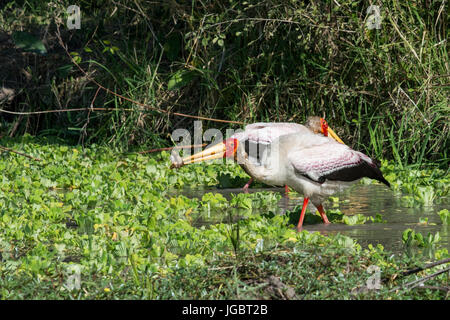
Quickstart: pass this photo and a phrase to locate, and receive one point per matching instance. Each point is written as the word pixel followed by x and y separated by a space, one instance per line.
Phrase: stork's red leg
pixel 323 215
pixel 286 189
pixel 302 215
pixel 245 188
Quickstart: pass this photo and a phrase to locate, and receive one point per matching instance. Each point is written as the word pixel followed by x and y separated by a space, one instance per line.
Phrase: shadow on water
pixel 368 200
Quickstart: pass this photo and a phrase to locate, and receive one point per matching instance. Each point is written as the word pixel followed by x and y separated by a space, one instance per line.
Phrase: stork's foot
pixel 323 215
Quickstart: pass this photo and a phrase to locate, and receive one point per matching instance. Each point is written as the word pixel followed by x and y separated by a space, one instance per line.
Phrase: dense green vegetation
pixel 96 212
pixel 116 220
pixel 385 90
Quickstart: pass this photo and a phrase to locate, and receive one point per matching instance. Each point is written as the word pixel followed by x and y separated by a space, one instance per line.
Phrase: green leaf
pixel 407 234
pixel 355 219
pixel 445 216
pixel 180 79
pixel 28 42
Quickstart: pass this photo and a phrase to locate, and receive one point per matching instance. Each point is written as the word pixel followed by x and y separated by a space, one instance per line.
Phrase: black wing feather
pixel 361 170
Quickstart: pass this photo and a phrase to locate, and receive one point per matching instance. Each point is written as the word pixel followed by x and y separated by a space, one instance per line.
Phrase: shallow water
pixel 368 200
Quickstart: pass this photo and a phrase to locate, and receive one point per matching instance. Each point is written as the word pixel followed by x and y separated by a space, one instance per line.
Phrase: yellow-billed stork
pixel 258 136
pixel 310 163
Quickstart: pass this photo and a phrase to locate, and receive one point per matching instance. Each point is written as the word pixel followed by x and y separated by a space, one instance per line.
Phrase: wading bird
pixel 258 136
pixel 315 165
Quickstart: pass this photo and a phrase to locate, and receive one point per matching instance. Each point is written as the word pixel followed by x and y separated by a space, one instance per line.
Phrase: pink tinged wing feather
pixel 324 159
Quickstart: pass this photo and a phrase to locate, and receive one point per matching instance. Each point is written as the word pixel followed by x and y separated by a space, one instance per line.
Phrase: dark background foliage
pixel 385 91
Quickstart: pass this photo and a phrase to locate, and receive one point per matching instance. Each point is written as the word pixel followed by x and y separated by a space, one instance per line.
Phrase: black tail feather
pixel 361 170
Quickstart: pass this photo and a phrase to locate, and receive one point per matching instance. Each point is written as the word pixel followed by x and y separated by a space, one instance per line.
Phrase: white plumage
pixel 314 165
pixel 258 136
pixel 297 156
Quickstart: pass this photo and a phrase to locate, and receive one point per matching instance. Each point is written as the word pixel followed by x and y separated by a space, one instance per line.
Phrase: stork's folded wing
pixel 335 162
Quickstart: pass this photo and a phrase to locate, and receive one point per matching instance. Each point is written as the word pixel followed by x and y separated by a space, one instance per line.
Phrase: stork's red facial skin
pixel 231 145
pixel 324 127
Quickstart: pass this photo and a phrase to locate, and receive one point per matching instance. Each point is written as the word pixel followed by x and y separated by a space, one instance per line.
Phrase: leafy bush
pixel 382 89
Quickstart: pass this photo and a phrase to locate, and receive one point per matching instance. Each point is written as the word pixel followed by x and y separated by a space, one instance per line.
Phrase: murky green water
pixel 368 200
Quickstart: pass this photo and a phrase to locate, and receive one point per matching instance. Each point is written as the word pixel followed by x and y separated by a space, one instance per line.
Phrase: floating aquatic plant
pixel 412 238
pixel 116 219
pixel 445 216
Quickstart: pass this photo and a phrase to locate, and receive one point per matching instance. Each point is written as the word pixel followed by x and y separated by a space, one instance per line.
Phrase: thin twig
pixel 19 153
pixel 170 148
pixel 445 289
pixel 431 265
pixel 415 283
pixel 62 110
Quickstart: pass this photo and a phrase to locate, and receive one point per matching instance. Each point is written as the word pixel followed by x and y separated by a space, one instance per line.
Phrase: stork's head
pixel 319 125
pixel 231 145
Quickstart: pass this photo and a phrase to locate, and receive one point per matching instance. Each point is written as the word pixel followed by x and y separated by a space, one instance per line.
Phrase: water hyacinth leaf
pixel 412 238
pixel 334 215
pixel 426 195
pixel 419 238
pixel 345 241
pixel 433 239
pixel 214 199
pixel 378 219
pixel 125 222
pixel 407 236
pixel 241 201
pixel 445 216
pixel 355 219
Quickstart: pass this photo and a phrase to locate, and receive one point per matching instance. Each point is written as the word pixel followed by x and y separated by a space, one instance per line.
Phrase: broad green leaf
pixel 28 42
pixel 180 79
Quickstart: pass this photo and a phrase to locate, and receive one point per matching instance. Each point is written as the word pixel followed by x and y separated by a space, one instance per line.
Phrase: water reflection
pixel 368 200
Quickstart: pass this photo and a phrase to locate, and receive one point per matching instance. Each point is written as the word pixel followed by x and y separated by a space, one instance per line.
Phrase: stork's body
pixel 314 165
pixel 296 156
pixel 258 136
